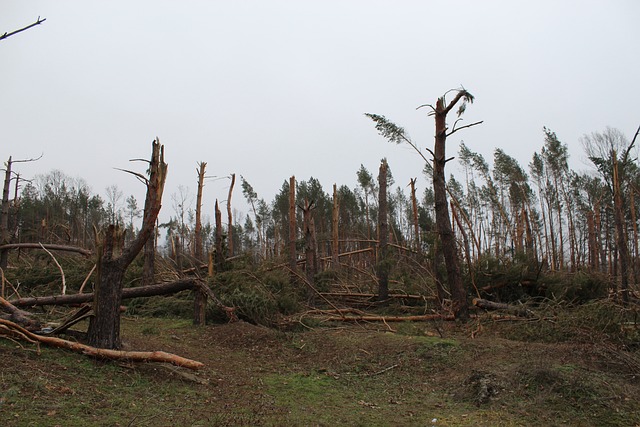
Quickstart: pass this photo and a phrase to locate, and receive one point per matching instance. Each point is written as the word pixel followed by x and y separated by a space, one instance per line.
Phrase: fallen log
pixel 392 318
pixel 16 315
pixel 520 311
pixel 13 330
pixel 48 246
pixel 365 295
pixel 137 292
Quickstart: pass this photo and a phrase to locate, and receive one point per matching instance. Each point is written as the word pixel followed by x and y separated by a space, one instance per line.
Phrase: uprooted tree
pixel 114 257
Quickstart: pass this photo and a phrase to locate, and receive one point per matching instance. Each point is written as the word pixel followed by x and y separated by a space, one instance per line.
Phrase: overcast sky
pixel 270 89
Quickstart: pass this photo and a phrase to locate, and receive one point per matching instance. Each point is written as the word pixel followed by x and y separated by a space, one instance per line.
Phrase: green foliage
pixel 259 298
pixel 576 288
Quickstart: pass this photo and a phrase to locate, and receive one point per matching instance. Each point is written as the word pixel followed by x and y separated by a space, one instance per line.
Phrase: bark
pixel 592 242
pixel 623 251
pixel 292 227
pixel 15 331
pixel 219 254
pixel 198 225
pixel 127 293
pixel 16 315
pixel 384 264
pixel 311 245
pixel 104 327
pixel 230 217
pixel 149 261
pixel 335 249
pixel 510 309
pixel 414 210
pixel 4 217
pixel 443 221
pixel 47 246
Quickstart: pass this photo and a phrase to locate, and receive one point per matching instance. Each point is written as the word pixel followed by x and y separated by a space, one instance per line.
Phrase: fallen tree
pixel 14 331
pixel 127 293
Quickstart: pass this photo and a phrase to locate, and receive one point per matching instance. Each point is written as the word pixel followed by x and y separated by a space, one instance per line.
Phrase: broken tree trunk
pixel 47 246
pixel 230 218
pixel 384 264
pixel 13 330
pixel 104 327
pixel 4 217
pixel 16 315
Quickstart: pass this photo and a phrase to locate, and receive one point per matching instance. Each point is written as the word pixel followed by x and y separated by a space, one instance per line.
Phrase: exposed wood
pixel 219 254
pixel 230 218
pixel 133 356
pixel 4 217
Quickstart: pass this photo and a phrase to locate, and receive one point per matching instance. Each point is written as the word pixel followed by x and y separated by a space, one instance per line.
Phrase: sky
pixel 270 89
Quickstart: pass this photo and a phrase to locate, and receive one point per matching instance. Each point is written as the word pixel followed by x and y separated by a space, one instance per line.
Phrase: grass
pixel 348 375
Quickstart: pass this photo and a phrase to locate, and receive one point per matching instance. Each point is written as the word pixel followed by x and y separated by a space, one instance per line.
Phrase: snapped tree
pixel 114 257
pixel 397 134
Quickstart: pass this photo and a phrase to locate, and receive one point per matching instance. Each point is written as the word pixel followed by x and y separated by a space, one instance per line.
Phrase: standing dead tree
pixel 396 134
pixel 114 259
pixel 384 263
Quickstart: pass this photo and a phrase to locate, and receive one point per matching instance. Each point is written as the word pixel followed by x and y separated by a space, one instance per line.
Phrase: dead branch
pixel 64 282
pixel 84 282
pixel 133 356
pixel 38 22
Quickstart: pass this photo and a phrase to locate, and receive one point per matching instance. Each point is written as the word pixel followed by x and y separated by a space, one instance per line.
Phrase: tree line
pixel 500 213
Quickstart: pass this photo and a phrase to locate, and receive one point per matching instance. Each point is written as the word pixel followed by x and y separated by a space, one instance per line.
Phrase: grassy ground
pixel 328 376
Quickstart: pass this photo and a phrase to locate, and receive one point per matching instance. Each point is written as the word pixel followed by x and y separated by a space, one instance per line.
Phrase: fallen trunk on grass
pixel 14 331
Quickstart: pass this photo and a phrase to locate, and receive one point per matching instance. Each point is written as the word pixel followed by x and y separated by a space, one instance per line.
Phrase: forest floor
pixel 420 374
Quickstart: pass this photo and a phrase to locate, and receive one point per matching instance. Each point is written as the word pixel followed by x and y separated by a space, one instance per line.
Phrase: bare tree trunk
pixel 335 250
pixel 311 249
pixel 414 209
pixel 230 217
pixel 4 217
pixel 198 226
pixel 384 264
pixel 292 228
pixel 443 222
pixel 219 254
pixel 634 222
pixel 592 242
pixel 104 327
pixel 623 250
pixel 149 263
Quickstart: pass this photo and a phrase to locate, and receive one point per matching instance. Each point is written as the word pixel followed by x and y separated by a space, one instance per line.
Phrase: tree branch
pixel 463 127
pixel 38 22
